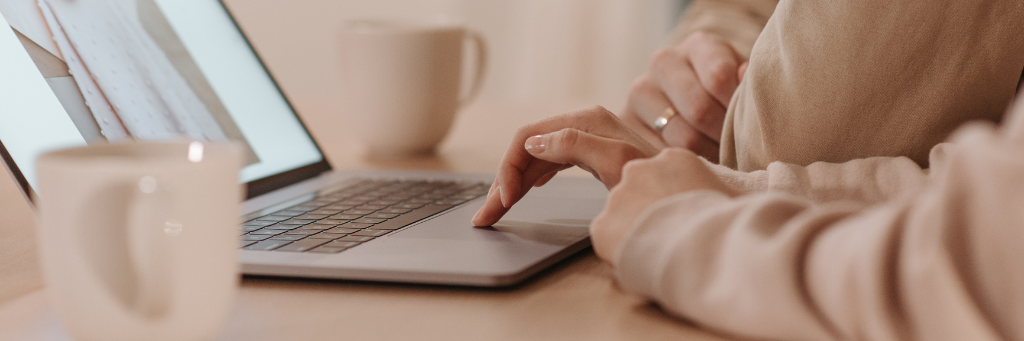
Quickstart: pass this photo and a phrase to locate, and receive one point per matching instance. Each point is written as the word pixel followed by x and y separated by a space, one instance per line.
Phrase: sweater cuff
pixel 644 251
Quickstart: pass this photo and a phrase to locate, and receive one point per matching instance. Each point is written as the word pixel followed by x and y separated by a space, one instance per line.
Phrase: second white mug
pixel 401 82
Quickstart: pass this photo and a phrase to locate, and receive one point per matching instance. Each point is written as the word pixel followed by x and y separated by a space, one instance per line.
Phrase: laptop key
pixel 255 237
pixel 310 216
pixel 287 238
pixel 301 232
pixel 267 245
pixel 244 243
pixel 327 236
pixel 397 210
pixel 282 227
pixel 408 206
pixel 369 220
pixel 371 233
pixel 411 217
pixel 267 232
pixel 341 244
pixel 343 216
pixel 328 249
pixel 342 230
pixel 317 227
pixel 354 238
pixel 357 226
pixel 260 223
pixel 333 221
pixel 303 245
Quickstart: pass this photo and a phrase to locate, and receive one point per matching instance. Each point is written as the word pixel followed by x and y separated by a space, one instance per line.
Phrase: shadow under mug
pixel 139 240
pixel 401 82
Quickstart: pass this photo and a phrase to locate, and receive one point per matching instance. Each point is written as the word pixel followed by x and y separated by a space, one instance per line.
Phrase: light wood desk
pixel 576 299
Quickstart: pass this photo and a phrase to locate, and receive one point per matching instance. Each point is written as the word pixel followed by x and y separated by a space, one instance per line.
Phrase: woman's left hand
pixel 645 182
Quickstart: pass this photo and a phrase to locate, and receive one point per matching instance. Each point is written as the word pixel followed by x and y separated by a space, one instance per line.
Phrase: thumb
pixel 601 156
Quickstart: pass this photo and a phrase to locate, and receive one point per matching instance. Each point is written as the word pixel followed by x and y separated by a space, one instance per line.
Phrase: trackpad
pixel 559 221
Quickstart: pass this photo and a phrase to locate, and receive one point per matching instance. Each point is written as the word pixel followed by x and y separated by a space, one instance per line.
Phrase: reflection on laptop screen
pixel 91 71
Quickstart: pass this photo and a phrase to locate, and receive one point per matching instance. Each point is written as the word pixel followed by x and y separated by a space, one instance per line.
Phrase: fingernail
pixel 535 144
pixel 476 217
pixel 504 201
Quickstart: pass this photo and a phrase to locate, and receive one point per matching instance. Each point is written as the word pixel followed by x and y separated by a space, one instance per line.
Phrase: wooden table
pixel 577 299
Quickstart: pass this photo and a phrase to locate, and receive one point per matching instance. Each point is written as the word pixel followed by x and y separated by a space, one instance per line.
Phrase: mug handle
pixel 125 243
pixel 480 48
pixel 151 233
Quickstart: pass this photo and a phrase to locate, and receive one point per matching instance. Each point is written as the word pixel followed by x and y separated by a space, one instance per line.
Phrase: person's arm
pixel 940 262
pixel 870 180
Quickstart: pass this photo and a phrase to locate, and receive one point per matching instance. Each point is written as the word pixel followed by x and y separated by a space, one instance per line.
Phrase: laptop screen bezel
pixel 253 188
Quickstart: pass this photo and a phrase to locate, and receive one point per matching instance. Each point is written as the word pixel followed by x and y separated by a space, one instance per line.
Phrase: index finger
pixel 518 170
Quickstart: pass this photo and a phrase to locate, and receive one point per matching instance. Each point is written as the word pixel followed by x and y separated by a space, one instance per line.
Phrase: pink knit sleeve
pixel 937 261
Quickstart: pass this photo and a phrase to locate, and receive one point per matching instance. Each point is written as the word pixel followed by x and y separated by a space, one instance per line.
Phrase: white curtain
pixel 541 50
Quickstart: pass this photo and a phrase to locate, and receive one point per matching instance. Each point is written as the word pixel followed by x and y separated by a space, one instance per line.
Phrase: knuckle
pixel 705 118
pixel 703 37
pixel 664 58
pixel 605 114
pixel 641 84
pixel 524 130
pixel 641 89
pixel 624 152
pixel 697 38
pixel 700 108
pixel 599 110
pixel 691 141
pixel 634 166
pixel 565 138
pixel 677 153
pixel 591 112
pixel 721 76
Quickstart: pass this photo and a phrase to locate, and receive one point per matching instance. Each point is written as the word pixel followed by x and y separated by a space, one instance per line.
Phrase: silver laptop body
pixel 548 225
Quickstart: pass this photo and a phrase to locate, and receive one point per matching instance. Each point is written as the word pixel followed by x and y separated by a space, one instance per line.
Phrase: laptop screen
pixel 94 71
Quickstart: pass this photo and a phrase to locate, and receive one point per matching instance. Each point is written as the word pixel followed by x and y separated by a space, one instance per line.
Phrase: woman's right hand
pixel 697 79
pixel 593 139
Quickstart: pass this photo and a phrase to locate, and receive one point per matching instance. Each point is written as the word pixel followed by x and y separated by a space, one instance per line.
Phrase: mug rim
pixel 138 152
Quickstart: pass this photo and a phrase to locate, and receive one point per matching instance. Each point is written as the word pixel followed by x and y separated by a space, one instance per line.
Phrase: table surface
pixel 576 299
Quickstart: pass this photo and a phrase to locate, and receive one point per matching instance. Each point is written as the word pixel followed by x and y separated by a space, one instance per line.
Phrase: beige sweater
pixel 840 80
pixel 872 249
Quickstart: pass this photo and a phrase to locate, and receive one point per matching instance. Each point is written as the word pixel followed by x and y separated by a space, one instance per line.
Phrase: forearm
pixel 738 21
pixel 939 264
pixel 866 180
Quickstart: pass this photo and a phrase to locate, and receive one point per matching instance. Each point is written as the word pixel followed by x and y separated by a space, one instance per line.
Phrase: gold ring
pixel 666 115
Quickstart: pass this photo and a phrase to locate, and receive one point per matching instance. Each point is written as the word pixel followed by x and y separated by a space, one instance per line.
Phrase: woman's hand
pixel 645 182
pixel 696 78
pixel 593 139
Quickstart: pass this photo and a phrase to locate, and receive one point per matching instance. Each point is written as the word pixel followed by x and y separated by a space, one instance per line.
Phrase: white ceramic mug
pixel 139 240
pixel 401 82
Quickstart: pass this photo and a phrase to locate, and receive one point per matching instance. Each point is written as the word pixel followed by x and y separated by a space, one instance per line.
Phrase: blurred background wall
pixel 541 50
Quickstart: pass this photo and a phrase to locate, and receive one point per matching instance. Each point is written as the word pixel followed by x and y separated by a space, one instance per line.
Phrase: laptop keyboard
pixel 336 221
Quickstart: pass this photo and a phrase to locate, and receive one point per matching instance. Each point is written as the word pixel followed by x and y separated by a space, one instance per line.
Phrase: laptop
pixel 86 72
